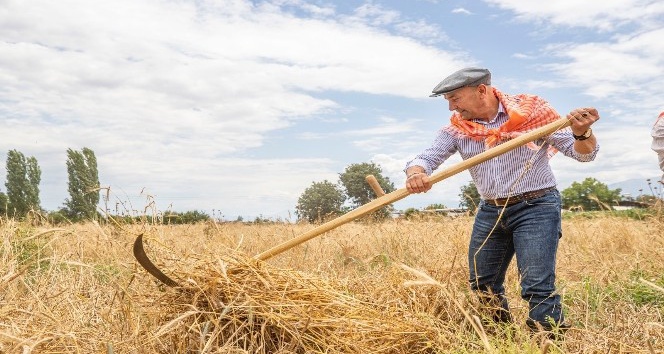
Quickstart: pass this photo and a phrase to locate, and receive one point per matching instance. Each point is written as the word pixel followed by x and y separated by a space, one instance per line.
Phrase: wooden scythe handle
pixel 375 186
pixel 403 192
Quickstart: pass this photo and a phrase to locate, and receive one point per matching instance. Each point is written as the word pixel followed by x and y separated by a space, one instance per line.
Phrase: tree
pixel 435 206
pixel 411 213
pixel 188 217
pixel 590 194
pixel 353 179
pixel 3 204
pixel 23 178
pixel 470 197
pixel 320 201
pixel 83 184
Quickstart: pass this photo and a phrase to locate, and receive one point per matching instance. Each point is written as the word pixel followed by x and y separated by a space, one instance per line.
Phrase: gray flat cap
pixel 462 78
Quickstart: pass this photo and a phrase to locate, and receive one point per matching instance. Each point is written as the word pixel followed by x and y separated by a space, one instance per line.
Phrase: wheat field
pixel 394 287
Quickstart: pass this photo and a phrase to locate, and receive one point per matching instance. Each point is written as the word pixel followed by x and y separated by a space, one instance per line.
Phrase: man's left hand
pixel 582 119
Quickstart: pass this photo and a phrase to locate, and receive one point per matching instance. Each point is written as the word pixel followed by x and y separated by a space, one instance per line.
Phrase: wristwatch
pixel 583 136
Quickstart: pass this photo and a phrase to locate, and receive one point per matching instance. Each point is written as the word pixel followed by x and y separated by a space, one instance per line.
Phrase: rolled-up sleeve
pixel 564 142
pixel 658 142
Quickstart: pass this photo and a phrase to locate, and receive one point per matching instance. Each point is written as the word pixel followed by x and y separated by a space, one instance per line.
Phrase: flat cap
pixel 462 78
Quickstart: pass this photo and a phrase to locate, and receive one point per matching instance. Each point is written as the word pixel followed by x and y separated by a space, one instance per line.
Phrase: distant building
pixel 629 204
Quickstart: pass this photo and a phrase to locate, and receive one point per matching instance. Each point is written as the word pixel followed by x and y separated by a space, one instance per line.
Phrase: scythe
pixel 381 201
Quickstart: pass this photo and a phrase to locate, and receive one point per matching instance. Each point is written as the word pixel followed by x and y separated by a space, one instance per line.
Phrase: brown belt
pixel 519 197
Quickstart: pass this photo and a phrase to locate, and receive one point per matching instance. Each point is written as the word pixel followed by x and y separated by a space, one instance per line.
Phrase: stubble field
pixel 394 287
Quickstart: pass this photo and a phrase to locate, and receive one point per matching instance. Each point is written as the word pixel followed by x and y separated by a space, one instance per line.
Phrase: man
pixel 658 141
pixel 520 211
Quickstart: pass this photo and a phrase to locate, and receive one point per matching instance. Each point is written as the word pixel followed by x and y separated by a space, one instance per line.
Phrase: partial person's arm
pixel 658 141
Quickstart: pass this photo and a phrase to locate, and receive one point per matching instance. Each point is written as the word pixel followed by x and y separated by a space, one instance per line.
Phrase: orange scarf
pixel 525 112
pixel 661 115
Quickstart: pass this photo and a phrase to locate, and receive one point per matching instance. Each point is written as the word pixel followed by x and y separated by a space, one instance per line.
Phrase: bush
pixel 188 217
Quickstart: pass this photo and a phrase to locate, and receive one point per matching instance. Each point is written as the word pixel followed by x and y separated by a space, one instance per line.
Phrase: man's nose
pixel 452 106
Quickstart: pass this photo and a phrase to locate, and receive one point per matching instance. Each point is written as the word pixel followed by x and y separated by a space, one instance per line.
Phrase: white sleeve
pixel 658 142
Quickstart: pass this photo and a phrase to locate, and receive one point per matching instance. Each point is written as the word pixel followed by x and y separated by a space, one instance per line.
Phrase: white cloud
pixel 422 30
pixel 618 70
pixel 377 15
pixel 605 16
pixel 628 57
pixel 388 126
pixel 162 91
pixel 522 56
pixel 461 10
pixel 180 98
pixel 321 10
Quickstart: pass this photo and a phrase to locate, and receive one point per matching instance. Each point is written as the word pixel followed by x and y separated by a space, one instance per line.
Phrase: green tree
pixel 590 194
pixel 435 209
pixel 319 202
pixel 23 178
pixel 435 206
pixel 470 197
pixel 187 217
pixel 3 204
pixel 353 179
pixel 411 213
pixel 83 184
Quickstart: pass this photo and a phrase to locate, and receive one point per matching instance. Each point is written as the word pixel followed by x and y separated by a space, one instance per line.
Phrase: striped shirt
pixel 514 172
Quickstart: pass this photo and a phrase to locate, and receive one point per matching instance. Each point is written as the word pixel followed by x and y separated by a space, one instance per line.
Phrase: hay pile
pixel 238 305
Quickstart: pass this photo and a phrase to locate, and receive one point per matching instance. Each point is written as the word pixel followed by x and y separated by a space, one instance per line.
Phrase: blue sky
pixel 235 107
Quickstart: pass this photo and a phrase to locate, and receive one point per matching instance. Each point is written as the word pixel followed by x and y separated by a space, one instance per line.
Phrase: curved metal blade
pixel 147 264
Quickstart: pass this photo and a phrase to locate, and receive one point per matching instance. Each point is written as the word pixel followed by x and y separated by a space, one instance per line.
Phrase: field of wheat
pixel 394 287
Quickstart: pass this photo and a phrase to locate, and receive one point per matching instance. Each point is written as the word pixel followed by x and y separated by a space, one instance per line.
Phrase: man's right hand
pixel 418 182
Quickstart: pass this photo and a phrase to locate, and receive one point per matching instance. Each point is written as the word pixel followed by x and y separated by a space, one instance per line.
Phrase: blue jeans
pixel 530 230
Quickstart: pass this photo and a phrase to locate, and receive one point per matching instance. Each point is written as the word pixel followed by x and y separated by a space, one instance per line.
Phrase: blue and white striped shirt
pixel 501 176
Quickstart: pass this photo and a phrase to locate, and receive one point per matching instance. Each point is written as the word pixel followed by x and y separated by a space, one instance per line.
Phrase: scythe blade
pixel 146 263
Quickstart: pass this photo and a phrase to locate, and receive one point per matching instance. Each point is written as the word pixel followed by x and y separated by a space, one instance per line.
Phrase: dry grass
pixel 396 287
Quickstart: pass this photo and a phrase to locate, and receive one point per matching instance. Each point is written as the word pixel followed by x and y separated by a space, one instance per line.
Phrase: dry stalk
pixel 45 232
pixel 238 302
pixel 83 293
pixel 425 279
pixel 545 346
pixel 652 285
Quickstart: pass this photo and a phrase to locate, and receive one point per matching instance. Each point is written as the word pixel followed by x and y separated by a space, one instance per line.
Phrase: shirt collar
pixel 501 109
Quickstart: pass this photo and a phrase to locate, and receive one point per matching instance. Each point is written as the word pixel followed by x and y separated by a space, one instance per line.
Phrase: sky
pixel 235 107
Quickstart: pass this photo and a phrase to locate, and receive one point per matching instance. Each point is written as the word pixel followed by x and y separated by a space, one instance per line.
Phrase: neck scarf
pixel 525 112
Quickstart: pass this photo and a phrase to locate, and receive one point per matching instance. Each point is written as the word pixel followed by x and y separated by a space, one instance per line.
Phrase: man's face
pixel 465 100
